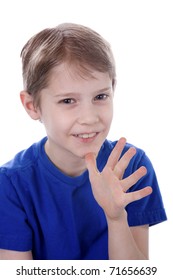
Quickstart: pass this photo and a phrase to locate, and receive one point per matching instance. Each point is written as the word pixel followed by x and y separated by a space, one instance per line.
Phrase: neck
pixel 69 165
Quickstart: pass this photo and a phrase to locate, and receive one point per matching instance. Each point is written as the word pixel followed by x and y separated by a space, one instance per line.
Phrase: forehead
pixel 66 75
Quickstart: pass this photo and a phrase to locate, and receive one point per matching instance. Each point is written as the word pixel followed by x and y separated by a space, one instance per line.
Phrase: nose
pixel 88 115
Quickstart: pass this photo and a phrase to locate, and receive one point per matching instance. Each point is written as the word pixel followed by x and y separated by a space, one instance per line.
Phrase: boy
pixel 75 195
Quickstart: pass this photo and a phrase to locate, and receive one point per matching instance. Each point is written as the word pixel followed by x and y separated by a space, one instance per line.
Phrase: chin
pixel 94 151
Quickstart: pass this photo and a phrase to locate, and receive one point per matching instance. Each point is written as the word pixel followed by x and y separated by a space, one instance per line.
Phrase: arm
pixel 15 255
pixel 127 243
pixel 109 190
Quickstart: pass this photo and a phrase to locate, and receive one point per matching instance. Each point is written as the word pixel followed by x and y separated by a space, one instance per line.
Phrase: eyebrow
pixel 66 94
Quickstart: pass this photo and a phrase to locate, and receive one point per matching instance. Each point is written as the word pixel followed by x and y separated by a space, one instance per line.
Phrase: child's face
pixel 76 112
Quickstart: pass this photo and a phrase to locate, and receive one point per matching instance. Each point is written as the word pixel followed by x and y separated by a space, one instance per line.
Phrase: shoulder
pixel 139 159
pixel 20 174
pixel 22 160
pixel 109 145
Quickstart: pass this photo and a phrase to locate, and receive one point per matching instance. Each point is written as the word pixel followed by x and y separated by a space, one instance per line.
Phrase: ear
pixel 28 104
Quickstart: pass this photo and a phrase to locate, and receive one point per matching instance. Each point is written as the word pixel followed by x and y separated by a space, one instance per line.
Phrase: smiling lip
pixel 86 137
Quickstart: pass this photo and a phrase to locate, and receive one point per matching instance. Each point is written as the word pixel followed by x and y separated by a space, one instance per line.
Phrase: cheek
pixel 54 119
pixel 108 116
pixel 62 124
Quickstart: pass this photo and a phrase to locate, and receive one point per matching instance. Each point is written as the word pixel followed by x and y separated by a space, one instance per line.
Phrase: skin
pixel 77 113
pixel 109 189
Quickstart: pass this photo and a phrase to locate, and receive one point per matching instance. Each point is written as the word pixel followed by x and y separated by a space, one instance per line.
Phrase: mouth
pixel 86 135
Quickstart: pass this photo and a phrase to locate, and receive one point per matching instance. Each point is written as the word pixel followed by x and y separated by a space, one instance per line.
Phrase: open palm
pixel 109 189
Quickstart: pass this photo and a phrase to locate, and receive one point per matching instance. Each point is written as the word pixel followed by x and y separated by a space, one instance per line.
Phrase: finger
pixel 122 164
pixel 116 153
pixel 137 195
pixel 90 160
pixel 133 178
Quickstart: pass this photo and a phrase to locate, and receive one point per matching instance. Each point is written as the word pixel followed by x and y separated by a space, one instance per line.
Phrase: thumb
pixel 90 160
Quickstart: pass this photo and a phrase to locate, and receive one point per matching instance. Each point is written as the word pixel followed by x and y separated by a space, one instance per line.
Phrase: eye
pixel 67 101
pixel 102 96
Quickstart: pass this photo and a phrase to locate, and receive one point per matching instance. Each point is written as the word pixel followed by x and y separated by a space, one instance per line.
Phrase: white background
pixel 141 35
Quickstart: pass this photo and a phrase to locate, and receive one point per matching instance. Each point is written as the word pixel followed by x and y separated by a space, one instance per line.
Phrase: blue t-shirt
pixel 56 216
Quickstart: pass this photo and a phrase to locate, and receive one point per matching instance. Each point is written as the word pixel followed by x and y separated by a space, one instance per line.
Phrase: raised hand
pixel 109 189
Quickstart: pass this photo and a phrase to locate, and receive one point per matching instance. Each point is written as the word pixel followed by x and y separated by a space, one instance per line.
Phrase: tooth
pixel 92 134
pixel 86 135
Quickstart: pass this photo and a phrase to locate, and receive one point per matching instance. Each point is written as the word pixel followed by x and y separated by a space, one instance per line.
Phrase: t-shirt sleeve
pixel 149 210
pixel 15 233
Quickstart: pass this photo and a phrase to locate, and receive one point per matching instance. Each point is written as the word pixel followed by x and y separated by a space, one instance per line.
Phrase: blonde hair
pixel 68 42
